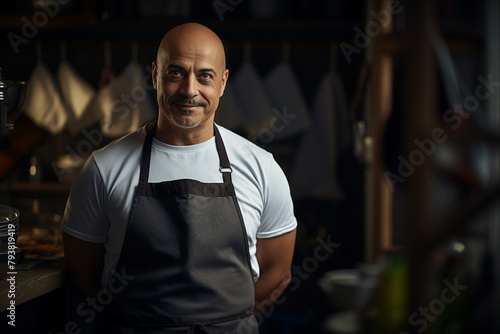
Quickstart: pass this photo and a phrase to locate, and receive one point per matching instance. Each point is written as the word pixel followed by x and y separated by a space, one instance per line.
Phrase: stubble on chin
pixel 185 122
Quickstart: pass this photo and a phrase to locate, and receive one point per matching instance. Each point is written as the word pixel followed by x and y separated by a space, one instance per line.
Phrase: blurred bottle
pixel 454 318
pixel 389 313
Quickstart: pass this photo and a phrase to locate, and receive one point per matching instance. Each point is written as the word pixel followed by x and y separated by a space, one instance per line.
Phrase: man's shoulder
pixel 121 151
pixel 237 143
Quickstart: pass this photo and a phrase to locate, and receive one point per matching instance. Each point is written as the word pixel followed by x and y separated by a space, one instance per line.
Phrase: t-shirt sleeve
pixel 277 216
pixel 85 214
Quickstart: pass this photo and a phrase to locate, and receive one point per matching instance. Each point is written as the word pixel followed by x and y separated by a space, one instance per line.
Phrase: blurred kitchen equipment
pixel 12 94
pixel 340 287
pixel 350 289
pixel 346 322
pixel 390 306
pixel 9 230
pixel 8 216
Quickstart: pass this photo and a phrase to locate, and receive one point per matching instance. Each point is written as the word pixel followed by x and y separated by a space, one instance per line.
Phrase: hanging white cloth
pixel 284 91
pixel 314 171
pixel 123 103
pixel 77 94
pixel 43 104
pixel 229 113
pixel 94 112
pixel 253 98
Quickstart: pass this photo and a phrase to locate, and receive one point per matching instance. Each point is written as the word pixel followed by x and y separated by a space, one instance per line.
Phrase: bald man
pixel 182 226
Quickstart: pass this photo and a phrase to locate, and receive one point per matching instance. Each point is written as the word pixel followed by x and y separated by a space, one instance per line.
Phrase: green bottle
pixel 391 297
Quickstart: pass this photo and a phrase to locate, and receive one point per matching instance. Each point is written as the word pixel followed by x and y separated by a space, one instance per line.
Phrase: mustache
pixel 187 100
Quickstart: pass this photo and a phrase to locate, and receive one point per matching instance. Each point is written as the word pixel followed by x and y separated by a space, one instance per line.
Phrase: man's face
pixel 190 78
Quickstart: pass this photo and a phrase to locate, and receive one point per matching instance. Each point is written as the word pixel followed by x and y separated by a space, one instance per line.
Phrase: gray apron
pixel 187 247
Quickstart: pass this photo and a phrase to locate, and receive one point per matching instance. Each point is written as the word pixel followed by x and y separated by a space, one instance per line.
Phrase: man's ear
pixel 225 75
pixel 154 72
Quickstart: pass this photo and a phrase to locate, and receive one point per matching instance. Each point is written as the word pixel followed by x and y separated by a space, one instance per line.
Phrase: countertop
pixel 41 279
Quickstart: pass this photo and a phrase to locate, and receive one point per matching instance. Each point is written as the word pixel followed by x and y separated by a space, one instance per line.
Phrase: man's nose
pixel 189 86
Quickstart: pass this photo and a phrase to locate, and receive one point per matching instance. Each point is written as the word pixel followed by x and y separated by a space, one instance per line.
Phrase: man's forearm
pixel 275 260
pixel 268 288
pixel 84 265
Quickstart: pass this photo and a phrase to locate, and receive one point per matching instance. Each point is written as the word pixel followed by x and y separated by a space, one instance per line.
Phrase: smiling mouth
pixel 182 105
pixel 186 109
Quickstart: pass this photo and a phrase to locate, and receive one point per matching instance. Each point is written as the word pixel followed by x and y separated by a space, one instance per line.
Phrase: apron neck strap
pixel 225 167
pixel 146 153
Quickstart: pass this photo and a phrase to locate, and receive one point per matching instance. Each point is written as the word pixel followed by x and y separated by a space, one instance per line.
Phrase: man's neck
pixel 182 137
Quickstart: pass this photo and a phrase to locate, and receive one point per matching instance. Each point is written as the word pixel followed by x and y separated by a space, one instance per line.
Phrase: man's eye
pixel 206 76
pixel 174 73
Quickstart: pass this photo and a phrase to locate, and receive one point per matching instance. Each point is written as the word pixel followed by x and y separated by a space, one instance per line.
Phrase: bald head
pixel 194 38
pixel 189 76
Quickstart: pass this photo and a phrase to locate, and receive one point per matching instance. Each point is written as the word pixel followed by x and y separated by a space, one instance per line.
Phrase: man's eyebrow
pixel 175 66
pixel 202 70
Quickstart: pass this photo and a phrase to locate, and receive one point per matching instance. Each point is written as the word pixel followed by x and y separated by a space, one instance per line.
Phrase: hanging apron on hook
pixel 186 247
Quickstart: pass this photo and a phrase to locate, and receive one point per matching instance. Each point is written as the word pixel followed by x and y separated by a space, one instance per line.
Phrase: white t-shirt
pixel 101 196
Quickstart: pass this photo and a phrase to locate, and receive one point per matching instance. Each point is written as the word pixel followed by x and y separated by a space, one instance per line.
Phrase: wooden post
pixel 378 192
pixel 419 115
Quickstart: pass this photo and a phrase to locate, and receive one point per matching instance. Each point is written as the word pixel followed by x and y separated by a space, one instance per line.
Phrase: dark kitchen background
pixel 384 115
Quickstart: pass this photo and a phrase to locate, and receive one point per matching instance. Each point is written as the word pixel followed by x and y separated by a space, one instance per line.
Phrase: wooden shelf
pixel 35 190
pixel 394 42
pixel 154 29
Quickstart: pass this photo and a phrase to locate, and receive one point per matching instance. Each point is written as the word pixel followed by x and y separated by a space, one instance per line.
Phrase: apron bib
pixel 187 247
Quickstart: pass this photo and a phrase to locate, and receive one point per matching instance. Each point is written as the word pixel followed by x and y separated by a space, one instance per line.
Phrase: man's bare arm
pixel 84 264
pixel 275 260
